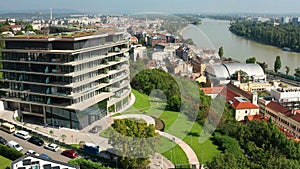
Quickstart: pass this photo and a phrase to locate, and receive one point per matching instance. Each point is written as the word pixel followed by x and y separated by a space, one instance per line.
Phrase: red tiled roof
pixel 296 117
pixel 212 90
pixel 275 106
pixel 243 105
pixel 133 38
pixel 256 117
pixel 228 94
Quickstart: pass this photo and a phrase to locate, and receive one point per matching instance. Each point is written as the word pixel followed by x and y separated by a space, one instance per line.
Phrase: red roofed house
pixel 16 28
pixel 243 108
pixel 284 117
pixel 134 40
pixel 212 91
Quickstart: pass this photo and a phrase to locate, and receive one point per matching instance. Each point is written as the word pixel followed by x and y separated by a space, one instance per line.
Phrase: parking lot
pixel 29 146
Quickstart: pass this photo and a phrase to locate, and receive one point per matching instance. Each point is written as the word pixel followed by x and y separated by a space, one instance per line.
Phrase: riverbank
pixel 216 33
pixel 184 29
pixel 286 49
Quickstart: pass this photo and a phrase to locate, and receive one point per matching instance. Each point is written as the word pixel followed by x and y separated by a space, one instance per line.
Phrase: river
pixel 212 34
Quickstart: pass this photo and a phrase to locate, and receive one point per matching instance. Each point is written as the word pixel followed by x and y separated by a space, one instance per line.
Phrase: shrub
pixel 9 153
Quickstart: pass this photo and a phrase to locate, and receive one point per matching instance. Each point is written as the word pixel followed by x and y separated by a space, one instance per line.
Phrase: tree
pixel 51 132
pixel 63 137
pixel 28 27
pixel 19 33
pixel 221 52
pixel 297 72
pixel 244 77
pixel 277 64
pixel 287 70
pixel 134 141
pixel 263 65
pixel 251 60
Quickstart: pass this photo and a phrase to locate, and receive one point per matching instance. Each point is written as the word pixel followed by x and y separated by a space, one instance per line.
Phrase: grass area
pixel 176 124
pixel 172 151
pixel 205 151
pixel 4 162
pixel 141 102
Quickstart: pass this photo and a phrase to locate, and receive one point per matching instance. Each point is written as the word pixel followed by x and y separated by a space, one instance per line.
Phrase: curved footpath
pixel 75 136
pixel 191 155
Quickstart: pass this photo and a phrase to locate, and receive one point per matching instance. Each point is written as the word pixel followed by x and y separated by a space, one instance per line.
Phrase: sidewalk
pixel 75 136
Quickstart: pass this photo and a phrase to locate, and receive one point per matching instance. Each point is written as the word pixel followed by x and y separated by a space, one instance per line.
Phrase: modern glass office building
pixel 66 80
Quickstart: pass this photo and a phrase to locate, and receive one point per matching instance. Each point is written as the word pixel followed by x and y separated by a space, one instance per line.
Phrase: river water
pixel 212 34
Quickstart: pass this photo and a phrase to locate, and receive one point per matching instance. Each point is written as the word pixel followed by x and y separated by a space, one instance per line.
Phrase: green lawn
pixel 172 151
pixel 205 151
pixel 4 162
pixel 141 102
pixel 176 124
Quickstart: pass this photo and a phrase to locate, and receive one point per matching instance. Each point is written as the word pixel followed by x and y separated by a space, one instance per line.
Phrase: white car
pixel 32 152
pixel 52 147
pixel 22 134
pixel 14 145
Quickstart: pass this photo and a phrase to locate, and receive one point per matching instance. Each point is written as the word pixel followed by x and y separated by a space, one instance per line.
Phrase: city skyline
pixel 167 6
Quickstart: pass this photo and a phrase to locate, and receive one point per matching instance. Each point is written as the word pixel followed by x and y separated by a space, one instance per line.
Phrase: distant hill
pixel 54 10
pixel 37 14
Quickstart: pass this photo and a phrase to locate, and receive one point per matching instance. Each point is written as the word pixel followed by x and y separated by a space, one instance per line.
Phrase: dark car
pixel 45 156
pixel 36 141
pixel 95 129
pixel 2 140
pixel 70 153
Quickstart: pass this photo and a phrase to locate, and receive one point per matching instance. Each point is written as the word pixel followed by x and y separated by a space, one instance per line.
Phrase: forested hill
pixel 284 35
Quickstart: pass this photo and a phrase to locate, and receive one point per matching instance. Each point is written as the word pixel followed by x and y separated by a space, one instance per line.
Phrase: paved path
pixel 75 136
pixel 191 155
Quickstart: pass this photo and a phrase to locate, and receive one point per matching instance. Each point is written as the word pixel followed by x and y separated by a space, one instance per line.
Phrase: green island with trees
pixel 282 36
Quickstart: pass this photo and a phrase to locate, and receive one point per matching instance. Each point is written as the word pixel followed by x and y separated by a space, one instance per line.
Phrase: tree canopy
pixel 183 95
pixel 277 64
pixel 287 70
pixel 87 164
pixel 244 77
pixel 284 35
pixel 258 144
pixel 251 60
pixel 221 52
pixel 134 141
pixel 297 72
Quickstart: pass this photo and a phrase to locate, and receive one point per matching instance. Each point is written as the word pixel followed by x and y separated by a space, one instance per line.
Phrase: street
pixel 29 146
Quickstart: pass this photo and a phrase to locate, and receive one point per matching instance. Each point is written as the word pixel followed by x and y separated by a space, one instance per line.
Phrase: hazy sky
pixel 168 6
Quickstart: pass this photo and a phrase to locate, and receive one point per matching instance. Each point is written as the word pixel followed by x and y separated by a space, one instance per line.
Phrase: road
pixel 288 81
pixel 29 146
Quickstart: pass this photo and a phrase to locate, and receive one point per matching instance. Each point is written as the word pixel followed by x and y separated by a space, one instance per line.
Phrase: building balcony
pixel 37 73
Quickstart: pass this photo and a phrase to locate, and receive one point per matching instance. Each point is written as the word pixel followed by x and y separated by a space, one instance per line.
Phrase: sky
pixel 166 6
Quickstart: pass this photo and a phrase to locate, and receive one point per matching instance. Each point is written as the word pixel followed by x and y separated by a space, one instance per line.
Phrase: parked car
pixel 95 129
pixel 2 140
pixel 22 134
pixel 14 145
pixel 32 153
pixel 45 156
pixel 70 153
pixel 36 141
pixel 52 147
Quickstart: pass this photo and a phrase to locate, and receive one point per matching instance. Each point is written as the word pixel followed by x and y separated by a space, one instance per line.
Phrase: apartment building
pixel 289 97
pixel 68 80
pixel 285 118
